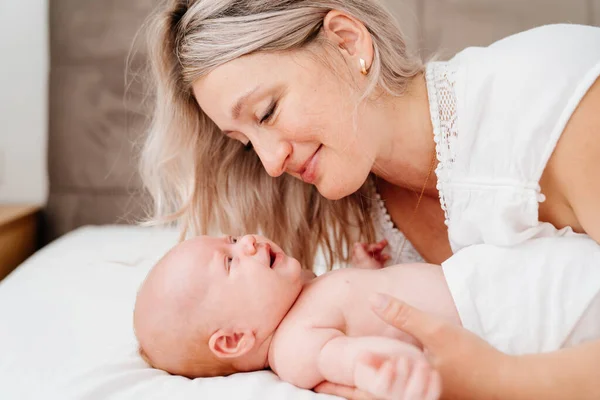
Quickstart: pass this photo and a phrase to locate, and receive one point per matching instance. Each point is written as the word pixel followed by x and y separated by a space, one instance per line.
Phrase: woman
pixel 325 95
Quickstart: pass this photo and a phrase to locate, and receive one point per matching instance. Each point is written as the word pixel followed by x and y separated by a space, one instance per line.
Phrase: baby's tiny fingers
pixel 377 246
pixel 385 257
pixel 418 381
pixel 386 377
pixel 434 389
pixel 397 389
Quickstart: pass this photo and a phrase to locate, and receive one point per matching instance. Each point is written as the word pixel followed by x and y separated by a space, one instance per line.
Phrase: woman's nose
pixel 248 244
pixel 274 157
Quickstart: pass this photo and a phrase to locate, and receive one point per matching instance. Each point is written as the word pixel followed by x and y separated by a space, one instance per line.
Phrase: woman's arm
pixel 472 369
pixel 565 374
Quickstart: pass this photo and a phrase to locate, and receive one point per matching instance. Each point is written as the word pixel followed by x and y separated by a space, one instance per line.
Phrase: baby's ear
pixel 230 344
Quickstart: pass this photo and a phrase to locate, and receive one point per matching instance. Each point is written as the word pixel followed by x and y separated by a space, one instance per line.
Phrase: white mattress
pixel 66 326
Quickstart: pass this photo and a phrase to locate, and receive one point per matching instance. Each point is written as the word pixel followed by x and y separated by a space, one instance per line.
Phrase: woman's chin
pixel 337 190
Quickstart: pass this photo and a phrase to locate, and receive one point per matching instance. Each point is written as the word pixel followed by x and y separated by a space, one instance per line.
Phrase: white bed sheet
pixel 66 326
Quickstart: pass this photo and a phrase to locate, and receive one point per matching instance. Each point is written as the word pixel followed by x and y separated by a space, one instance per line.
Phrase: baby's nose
pixel 248 243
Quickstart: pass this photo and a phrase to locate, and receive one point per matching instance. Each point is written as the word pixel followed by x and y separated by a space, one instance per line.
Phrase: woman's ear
pixel 230 344
pixel 350 35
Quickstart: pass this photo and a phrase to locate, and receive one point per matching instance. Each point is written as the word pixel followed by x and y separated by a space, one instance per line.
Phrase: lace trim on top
pixel 385 228
pixel 441 79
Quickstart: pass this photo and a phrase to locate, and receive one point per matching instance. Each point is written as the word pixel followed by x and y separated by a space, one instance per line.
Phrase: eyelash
pixel 269 114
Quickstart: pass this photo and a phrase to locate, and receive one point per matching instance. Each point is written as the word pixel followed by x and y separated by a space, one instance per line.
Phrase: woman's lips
pixel 309 175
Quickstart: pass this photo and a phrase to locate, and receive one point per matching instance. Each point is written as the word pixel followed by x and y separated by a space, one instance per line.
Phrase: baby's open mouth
pixel 272 257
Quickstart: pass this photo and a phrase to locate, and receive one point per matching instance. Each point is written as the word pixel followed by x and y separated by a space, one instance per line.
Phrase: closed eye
pixel 270 112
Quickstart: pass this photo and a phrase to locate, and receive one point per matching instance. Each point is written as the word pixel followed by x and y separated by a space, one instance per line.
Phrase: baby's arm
pixel 338 358
pixel 389 367
pixel 327 355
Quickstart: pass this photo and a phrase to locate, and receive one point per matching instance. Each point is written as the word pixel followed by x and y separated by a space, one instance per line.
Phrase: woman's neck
pixel 407 150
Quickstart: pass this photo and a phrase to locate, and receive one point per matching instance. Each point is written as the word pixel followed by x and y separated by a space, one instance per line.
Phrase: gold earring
pixel 363 67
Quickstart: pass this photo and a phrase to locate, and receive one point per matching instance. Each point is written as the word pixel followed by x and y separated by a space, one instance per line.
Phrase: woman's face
pixel 299 115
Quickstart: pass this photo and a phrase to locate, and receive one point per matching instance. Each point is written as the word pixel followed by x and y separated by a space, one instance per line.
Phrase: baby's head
pixel 210 306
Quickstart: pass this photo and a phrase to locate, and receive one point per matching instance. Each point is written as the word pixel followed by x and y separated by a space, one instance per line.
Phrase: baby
pixel 217 306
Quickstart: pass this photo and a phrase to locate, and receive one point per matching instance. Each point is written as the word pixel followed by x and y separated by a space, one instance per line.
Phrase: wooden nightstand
pixel 18 235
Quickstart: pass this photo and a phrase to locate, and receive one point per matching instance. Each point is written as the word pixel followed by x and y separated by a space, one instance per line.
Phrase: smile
pixel 309 173
pixel 272 257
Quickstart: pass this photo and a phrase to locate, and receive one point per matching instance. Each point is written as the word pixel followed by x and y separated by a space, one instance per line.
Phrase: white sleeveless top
pixel 497 115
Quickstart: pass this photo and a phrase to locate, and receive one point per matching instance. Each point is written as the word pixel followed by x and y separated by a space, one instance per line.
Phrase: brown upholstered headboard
pixel 94 121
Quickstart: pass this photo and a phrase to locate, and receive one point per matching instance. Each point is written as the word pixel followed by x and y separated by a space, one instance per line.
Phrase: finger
pixel 382 257
pixel 365 373
pixel 372 249
pixel 415 322
pixel 434 389
pixel 360 254
pixel 381 386
pixel 417 383
pixel 377 246
pixel 346 392
pixel 398 387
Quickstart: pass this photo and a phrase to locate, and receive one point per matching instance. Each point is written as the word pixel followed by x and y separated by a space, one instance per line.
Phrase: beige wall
pixel 447 26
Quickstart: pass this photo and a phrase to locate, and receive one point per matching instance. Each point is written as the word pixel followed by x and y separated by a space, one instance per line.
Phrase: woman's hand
pixel 469 367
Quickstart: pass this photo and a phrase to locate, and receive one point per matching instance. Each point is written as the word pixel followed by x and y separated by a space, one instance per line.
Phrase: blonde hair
pixel 206 182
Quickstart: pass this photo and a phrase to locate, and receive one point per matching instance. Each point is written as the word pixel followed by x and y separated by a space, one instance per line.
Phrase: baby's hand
pixel 369 255
pixel 397 378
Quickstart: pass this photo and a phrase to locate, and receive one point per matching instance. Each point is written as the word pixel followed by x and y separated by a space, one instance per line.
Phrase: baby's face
pixel 246 280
